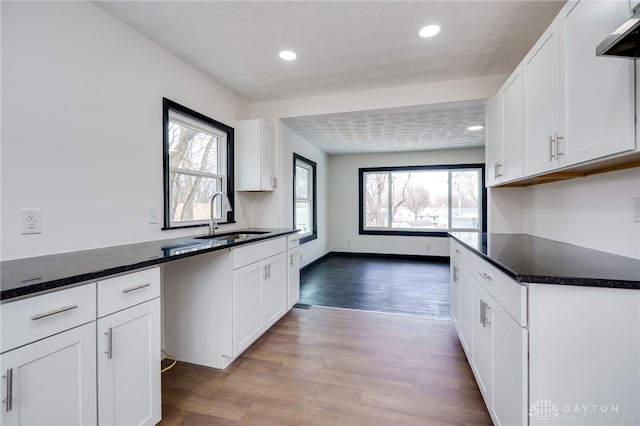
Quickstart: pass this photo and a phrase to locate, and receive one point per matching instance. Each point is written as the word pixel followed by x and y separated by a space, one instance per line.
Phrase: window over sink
pixel 197 162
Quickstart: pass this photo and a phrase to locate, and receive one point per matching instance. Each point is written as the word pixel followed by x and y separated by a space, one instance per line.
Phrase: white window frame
pixel 310 166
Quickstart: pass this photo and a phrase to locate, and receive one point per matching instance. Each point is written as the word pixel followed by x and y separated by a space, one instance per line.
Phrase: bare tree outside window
pixel 429 198
pixel 197 152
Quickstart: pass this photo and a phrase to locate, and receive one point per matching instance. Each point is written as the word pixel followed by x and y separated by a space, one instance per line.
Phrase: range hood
pixel 625 41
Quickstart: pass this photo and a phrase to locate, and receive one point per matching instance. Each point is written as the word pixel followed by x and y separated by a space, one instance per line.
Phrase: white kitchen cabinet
pixel 584 354
pixel 505 133
pixel 599 91
pixel 51 381
pixel 493 307
pixel 259 290
pixel 578 107
pixel 293 269
pixel 128 349
pixel 481 347
pixel 254 150
pixel 544 102
pixel 247 305
pixel 217 304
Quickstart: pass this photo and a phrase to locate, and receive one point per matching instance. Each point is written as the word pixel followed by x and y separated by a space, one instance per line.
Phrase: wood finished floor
pixel 408 286
pixel 326 366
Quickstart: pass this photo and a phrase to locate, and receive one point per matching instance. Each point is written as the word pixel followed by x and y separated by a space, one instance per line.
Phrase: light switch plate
pixel 153 215
pixel 636 209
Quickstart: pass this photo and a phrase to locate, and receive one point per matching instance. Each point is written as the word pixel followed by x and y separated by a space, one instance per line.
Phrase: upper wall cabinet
pixel 543 105
pixel 254 155
pixel 578 107
pixel 599 90
pixel 504 132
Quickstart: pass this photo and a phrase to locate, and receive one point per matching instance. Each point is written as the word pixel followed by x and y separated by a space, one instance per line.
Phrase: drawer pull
pixel 291 259
pixel 9 400
pixel 456 251
pixel 484 275
pixel 54 312
pixel 138 287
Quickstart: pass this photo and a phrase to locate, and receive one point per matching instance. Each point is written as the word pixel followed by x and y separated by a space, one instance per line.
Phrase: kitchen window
pixel 198 161
pixel 304 190
pixel 422 200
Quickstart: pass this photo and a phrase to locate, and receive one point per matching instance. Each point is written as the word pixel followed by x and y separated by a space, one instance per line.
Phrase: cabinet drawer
pixel 293 241
pixel 459 255
pixel 116 294
pixel 511 295
pixel 35 318
pixel 251 253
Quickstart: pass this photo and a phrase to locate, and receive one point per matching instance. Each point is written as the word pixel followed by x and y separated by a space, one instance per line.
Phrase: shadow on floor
pixel 393 285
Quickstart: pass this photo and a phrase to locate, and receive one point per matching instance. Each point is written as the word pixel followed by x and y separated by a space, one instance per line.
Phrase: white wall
pixel 276 208
pixel 593 212
pixel 82 126
pixel 343 199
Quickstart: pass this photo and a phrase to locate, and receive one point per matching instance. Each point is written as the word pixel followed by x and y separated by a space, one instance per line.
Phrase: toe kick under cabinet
pixel 546 353
pixel 217 304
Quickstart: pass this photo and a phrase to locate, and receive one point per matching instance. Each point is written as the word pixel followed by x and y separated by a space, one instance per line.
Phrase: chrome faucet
pixel 213 222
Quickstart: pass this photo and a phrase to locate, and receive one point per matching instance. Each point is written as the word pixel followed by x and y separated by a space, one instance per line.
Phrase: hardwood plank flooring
pixel 326 366
pixel 408 286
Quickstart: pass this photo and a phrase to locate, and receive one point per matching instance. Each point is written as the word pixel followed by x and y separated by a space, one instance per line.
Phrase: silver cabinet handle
pixel 496 170
pixel 264 272
pixel 9 399
pixel 558 139
pixel 291 259
pixel 109 350
pixel 54 312
pixel 485 275
pixel 455 274
pixel 138 287
pixel 269 271
pixel 456 251
pixel 482 312
pixel 486 316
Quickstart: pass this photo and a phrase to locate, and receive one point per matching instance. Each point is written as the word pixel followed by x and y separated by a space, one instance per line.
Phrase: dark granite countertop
pixel 530 259
pixel 20 278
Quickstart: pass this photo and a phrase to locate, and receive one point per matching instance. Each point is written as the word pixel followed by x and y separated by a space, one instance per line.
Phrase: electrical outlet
pixel 153 215
pixel 31 221
pixel 636 209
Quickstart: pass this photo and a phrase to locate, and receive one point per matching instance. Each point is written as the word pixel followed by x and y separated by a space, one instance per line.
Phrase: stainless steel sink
pixel 234 235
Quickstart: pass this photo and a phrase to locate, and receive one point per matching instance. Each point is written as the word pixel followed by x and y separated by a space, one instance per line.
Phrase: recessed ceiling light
pixel 288 55
pixel 429 31
pixel 476 127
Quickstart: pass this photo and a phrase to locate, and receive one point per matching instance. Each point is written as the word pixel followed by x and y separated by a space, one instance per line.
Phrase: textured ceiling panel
pixel 419 128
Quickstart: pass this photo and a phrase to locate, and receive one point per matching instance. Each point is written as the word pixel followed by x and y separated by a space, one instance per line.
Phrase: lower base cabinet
pixel 545 354
pixel 51 381
pixel 129 366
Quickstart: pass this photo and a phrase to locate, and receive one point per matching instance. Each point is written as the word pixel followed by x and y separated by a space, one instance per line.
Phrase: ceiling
pixel 345 46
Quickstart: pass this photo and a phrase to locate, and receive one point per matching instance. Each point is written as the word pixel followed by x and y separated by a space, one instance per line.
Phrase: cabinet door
pixel 293 276
pixel 454 294
pixel 266 161
pixel 512 126
pixel 274 290
pixel 465 316
pixel 599 90
pixel 129 366
pixel 481 343
pixel 510 369
pixel 542 107
pixel 247 305
pixel 494 140
pixel 53 380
